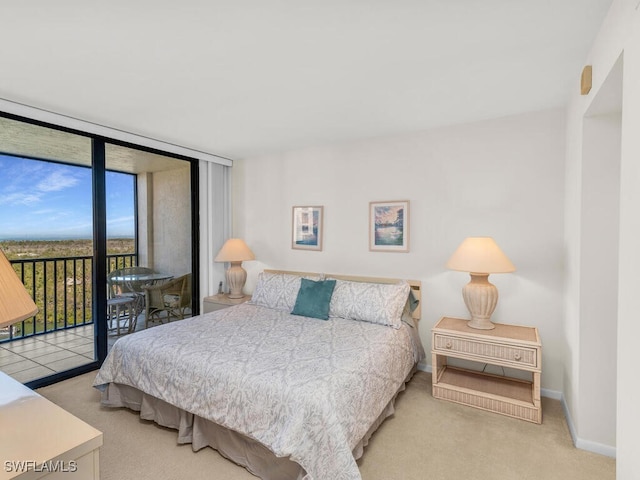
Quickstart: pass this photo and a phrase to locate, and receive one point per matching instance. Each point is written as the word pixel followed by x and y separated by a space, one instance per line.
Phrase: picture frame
pixel 389 226
pixel 306 227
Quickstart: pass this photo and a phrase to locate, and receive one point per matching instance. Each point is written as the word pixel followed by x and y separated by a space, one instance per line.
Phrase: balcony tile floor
pixel 42 355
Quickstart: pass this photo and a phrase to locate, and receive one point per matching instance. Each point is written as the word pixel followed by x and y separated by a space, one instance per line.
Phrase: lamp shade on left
pixel 15 302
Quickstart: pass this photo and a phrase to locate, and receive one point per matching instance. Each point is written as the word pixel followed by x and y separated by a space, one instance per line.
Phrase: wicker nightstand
pixel 510 346
pixel 220 301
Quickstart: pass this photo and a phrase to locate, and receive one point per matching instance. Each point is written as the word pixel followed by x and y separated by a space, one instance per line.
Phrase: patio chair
pixel 125 299
pixel 167 300
pixel 124 312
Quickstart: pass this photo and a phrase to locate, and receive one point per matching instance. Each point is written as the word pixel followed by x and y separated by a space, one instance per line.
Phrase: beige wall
pixel 172 221
pixel 502 178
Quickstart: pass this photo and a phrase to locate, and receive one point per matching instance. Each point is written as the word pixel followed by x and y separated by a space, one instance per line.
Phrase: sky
pixel 52 201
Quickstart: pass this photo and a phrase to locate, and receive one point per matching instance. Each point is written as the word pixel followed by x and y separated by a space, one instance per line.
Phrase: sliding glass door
pixel 73 209
pixel 46 231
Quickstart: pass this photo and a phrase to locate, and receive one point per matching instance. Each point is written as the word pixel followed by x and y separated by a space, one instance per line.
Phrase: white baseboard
pixel 580 443
pixel 588 445
pixel 553 394
pixel 424 367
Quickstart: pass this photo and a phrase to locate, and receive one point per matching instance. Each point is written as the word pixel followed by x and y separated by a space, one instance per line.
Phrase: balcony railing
pixel 62 289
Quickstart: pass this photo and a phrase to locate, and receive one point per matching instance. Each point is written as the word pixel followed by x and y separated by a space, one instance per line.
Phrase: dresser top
pixel 33 428
pixel 501 331
pixel 224 299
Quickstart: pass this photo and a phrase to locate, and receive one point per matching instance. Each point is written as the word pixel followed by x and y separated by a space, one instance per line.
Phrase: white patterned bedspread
pixel 306 388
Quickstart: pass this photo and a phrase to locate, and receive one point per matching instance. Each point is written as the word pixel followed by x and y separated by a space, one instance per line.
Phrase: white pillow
pixel 277 290
pixel 370 302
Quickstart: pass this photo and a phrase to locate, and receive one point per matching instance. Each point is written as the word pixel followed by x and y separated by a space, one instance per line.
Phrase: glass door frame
pixel 99 280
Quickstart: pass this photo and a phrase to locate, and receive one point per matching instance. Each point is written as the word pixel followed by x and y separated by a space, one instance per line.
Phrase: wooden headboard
pixel 416 285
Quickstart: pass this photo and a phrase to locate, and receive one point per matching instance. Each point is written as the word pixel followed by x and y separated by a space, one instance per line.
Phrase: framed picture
pixel 389 226
pixel 307 228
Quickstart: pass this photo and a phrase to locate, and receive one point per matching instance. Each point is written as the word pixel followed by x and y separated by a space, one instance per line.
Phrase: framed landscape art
pixel 389 226
pixel 307 228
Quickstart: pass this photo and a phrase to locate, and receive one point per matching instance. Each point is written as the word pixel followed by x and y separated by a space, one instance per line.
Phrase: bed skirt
pixel 200 432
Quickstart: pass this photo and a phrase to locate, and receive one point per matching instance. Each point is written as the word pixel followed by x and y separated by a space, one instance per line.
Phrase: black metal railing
pixel 62 288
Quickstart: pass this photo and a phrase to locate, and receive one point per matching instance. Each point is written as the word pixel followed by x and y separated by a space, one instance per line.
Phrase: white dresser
pixel 38 439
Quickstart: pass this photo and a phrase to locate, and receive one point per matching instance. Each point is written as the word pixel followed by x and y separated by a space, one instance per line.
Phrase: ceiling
pixel 241 78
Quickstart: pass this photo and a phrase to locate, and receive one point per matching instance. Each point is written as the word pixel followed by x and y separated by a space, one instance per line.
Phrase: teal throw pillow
pixel 314 298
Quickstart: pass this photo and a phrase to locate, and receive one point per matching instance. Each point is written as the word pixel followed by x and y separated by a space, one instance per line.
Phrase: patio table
pixel 135 283
pixel 132 280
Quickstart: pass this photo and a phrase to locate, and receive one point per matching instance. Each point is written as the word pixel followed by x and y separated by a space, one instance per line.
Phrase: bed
pixel 286 395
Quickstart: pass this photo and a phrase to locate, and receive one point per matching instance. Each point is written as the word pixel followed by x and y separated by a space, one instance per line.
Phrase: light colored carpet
pixel 425 439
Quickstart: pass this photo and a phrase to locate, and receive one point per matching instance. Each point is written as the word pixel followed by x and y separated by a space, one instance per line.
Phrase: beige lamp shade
pixel 480 256
pixel 235 251
pixel 15 302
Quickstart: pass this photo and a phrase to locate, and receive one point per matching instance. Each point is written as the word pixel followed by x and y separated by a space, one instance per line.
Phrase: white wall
pixel 599 237
pixel 628 391
pixel 588 398
pixel 503 178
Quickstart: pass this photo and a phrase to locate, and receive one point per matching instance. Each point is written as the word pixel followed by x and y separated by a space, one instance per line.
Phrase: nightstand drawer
pixel 484 350
pixel 212 307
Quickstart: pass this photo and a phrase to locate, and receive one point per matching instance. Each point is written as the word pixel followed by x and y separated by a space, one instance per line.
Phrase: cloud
pixel 20 199
pixel 121 220
pixel 56 181
pixel 46 211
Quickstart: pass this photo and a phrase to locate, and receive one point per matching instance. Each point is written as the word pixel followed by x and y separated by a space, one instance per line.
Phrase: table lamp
pixel 15 302
pixel 480 256
pixel 235 251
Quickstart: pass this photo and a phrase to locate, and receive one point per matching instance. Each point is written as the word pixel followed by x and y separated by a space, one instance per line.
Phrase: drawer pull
pixel 517 357
pixel 448 345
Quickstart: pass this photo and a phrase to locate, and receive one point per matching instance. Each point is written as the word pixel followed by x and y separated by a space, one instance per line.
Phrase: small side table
pixel 220 301
pixel 512 346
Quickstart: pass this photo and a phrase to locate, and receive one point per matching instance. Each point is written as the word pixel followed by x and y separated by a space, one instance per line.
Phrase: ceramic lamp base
pixel 236 277
pixel 480 297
